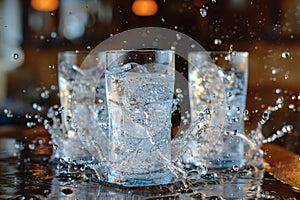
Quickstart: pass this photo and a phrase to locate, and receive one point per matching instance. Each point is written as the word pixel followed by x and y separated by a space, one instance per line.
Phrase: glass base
pixel 161 177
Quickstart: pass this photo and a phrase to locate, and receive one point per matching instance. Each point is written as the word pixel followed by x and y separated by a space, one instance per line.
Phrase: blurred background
pixel 32 32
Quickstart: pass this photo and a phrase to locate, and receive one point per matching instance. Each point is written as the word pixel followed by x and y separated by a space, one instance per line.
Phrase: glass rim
pixel 139 50
pixel 85 52
pixel 246 53
pixel 74 52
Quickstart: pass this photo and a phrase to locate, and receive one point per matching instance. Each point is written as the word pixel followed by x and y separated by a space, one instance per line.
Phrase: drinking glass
pixel 83 101
pixel 139 89
pixel 219 149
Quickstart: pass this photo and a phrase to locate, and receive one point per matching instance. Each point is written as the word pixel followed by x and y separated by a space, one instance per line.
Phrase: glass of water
pixel 83 102
pixel 218 149
pixel 139 89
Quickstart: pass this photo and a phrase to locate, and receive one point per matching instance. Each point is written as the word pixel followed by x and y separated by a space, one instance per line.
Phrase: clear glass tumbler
pixel 221 150
pixel 139 88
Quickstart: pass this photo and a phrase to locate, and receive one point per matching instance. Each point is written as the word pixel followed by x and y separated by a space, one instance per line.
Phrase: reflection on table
pixel 27 172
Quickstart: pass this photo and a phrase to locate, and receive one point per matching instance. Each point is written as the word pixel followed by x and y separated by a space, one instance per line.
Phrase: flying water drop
pixel 203 12
pixel 15 56
pixel 285 54
pixel 217 41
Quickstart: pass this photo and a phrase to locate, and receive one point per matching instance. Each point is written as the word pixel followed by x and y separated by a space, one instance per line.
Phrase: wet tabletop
pixel 27 172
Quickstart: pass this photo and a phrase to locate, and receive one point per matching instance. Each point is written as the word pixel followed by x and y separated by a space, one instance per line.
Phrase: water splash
pixel 189 174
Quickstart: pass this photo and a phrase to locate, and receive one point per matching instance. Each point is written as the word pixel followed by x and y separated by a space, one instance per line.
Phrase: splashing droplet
pixel 235 168
pixel 274 71
pixel 285 54
pixel 203 12
pixel 279 100
pixel 217 41
pixel 53 35
pixel 15 56
pixel 51 66
pixel 286 75
pixel 8 113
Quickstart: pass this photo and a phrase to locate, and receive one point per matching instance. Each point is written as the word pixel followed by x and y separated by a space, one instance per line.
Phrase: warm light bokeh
pixel 144 7
pixel 44 5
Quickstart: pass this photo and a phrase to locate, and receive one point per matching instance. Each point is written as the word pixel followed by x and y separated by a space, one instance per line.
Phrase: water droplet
pixel 15 56
pixel 278 91
pixel 203 12
pixel 285 54
pixel 59 166
pixel 45 94
pixel 286 75
pixel 230 48
pixel 53 35
pixel 51 66
pixel 42 37
pixel 287 128
pixel 235 168
pixel 214 1
pixel 274 71
pixel 30 124
pixel 8 113
pixel 217 41
pixel 291 106
pixel 31 146
pixel 34 105
pixel 279 100
pixel 27 116
pixel 163 19
pixel 246 115
pixel 178 90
